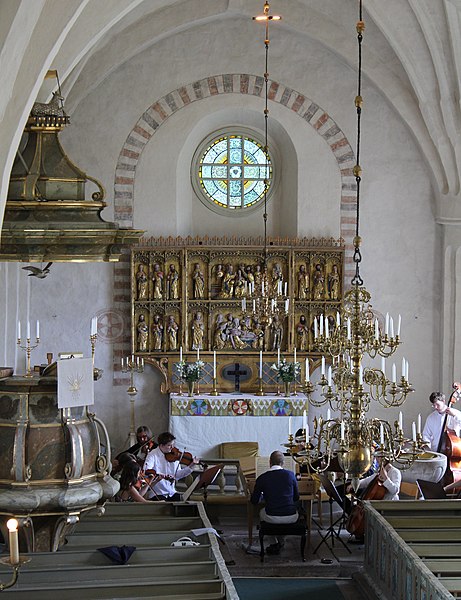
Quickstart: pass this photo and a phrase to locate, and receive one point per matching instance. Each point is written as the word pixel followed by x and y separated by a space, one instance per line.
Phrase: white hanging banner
pixel 75 382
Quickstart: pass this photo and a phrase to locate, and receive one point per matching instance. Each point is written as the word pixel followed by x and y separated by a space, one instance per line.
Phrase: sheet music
pixel 263 465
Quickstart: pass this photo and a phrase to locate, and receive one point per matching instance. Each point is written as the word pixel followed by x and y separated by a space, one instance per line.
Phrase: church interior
pixel 190 279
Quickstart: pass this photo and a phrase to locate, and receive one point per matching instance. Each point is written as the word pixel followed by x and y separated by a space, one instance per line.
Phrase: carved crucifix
pixel 236 373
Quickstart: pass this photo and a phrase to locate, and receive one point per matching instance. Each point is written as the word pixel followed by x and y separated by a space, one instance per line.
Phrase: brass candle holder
pixel 260 391
pixel 28 349
pixel 214 391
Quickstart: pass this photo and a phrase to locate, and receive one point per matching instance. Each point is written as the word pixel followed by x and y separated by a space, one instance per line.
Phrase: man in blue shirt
pixel 279 489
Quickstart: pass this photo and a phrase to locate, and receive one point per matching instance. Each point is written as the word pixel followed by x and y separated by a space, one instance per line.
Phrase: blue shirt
pixel 279 489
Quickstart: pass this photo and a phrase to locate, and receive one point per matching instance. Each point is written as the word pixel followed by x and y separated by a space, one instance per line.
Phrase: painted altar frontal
pixel 237 405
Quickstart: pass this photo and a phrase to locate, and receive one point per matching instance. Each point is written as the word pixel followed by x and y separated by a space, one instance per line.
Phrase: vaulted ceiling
pixel 413 59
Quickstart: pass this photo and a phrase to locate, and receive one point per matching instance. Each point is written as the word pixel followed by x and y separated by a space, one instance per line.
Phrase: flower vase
pixel 191 387
pixel 287 385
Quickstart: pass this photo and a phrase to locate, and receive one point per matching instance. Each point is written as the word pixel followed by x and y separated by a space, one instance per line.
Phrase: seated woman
pixel 132 488
pixel 119 462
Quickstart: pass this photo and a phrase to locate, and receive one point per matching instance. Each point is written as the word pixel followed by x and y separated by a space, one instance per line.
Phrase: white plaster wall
pixel 400 249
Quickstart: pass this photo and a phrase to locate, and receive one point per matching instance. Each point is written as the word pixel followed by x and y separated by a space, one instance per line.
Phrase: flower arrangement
pixel 190 371
pixel 287 371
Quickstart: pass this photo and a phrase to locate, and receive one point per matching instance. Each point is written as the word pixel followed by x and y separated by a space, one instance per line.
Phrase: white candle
pixel 19 330
pixel 244 304
pixel 142 362
pixel 260 364
pixel 348 328
pixel 278 356
pixel 401 420
pixel 123 363
pixel 316 333
pixel 214 364
pixel 381 434
pixel 138 362
pixel 327 330
pixel 294 355
pixel 287 304
pixel 28 330
pixel 403 367
pixel 323 366
pixel 12 525
pixel 307 370
pixel 328 414
pixel 180 354
pixel 342 431
pixel 413 431
pixel 376 329
pixel 304 419
pixel 329 376
pixel 254 305
pixel 386 328
pixel 360 375
pixel 286 285
pixel 198 354
pixel 38 329
pixel 394 373
pixel 383 365
pixel 338 319
pixel 289 425
pixel 419 423
pixel 399 323
pixel 321 324
pixel 392 327
pixel 307 433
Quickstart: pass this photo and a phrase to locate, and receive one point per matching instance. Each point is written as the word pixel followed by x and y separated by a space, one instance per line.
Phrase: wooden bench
pixel 282 529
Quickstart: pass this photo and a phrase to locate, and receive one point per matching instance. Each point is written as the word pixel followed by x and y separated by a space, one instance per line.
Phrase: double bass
pixel 375 490
pixel 450 444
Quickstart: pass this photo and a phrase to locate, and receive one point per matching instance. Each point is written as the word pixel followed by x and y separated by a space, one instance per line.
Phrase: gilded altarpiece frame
pixel 187 293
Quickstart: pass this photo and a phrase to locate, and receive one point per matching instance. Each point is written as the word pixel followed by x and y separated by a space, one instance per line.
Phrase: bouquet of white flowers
pixel 190 371
pixel 287 371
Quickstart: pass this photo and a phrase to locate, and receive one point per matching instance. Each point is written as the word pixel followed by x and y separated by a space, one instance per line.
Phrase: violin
pixel 151 476
pixel 184 458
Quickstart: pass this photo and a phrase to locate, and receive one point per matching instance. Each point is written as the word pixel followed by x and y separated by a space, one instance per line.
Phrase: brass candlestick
pixel 93 338
pixel 260 391
pixel 214 391
pixel 28 348
pixel 130 365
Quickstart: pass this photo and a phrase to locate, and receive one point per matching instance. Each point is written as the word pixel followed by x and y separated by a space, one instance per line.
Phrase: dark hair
pixel 144 429
pixel 437 396
pixel 276 458
pixel 125 458
pixel 129 475
pixel 165 438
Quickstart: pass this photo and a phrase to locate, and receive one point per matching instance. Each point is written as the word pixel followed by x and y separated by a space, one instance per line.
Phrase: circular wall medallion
pixel 240 407
pixel 111 324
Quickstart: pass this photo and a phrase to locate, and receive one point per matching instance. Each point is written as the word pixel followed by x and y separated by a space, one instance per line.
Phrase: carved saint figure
pixel 173 283
pixel 198 330
pixel 249 276
pixel 157 278
pixel 157 333
pixel 302 334
pixel 277 280
pixel 319 282
pixel 258 277
pixel 142 283
pixel 198 282
pixel 143 333
pixel 219 274
pixel 172 333
pixel 258 331
pixel 239 285
pixel 333 283
pixel 277 333
pixel 219 337
pixel 227 290
pixel 303 283
pixel 235 335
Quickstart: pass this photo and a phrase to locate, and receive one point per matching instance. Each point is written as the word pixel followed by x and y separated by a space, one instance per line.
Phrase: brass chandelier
pixel 347 386
pixel 268 296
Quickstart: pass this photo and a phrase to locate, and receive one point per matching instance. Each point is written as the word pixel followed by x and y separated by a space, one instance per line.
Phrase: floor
pixel 331 560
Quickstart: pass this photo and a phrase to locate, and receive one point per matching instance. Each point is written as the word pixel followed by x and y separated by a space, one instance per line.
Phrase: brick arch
pixel 166 106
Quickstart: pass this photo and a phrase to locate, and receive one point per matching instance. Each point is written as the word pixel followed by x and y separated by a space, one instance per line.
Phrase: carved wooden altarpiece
pixel 187 293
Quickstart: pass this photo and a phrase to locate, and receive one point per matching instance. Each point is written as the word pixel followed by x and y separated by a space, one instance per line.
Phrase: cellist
pixel 433 427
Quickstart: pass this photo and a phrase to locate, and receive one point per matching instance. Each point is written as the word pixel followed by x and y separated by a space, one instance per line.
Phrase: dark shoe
pixel 274 548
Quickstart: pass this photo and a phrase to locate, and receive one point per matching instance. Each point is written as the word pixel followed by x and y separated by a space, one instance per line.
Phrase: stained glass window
pixel 233 171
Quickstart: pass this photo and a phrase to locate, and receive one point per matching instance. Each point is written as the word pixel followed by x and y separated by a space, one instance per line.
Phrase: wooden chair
pixel 409 489
pixel 238 449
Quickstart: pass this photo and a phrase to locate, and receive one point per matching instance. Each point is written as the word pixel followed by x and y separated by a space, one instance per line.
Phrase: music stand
pixel 331 532
pixel 206 478
pixel 430 490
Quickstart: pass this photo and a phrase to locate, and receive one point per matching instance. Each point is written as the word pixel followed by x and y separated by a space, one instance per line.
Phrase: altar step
pixel 155 569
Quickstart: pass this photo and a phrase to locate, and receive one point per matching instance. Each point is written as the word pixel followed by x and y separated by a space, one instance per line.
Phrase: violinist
pixel 434 423
pixel 133 488
pixel 165 463
pixel 144 444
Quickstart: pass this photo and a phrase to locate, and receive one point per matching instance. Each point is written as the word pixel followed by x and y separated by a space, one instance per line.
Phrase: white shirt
pixel 433 426
pixel 392 483
pixel 156 460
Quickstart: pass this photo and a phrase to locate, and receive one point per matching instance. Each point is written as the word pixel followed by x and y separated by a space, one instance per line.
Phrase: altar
pixel 201 422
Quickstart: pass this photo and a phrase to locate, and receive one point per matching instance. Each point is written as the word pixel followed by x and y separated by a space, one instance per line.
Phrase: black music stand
pixel 430 490
pixel 206 478
pixel 331 532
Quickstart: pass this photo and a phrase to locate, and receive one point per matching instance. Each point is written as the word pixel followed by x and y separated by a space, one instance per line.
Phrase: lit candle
pixel 348 328
pixel 329 376
pixel 307 370
pixel 289 425
pixel 419 423
pixel 323 366
pixel 413 431
pixel 342 431
pixel 401 420
pixel 316 333
pixel 180 354
pixel 214 364
pixel 328 414
pixel 304 419
pixel 28 330
pixel 19 330
pixel 260 364
pixel 383 365
pixel 386 328
pixel 399 323
pixel 381 434
pixel 12 525
pixel 394 373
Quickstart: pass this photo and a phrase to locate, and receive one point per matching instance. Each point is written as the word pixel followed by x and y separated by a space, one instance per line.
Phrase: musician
pixel 279 488
pixel 434 422
pixel 132 487
pixel 388 476
pixel 168 471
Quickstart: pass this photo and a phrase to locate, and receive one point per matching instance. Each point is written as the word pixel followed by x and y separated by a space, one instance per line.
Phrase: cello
pixel 450 444
pixel 375 490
